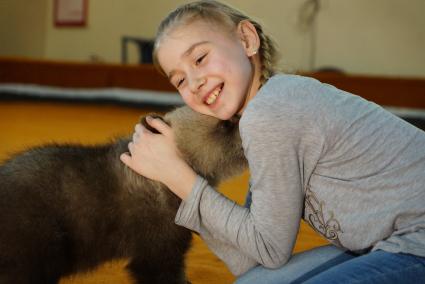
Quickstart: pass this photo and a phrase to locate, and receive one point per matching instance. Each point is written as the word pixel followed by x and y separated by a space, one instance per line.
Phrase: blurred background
pixel 379 37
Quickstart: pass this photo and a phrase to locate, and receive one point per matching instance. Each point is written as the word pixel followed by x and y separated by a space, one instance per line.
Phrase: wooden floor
pixel 26 123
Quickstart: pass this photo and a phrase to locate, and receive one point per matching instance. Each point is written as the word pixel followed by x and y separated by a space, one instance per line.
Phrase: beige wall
pixel 23 27
pixel 108 21
pixel 385 37
pixel 374 37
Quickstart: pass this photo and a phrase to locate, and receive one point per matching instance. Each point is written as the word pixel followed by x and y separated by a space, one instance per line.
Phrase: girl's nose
pixel 197 84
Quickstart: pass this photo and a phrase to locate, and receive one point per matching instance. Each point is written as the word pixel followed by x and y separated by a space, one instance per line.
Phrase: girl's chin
pixel 218 115
pixel 224 115
pixel 218 111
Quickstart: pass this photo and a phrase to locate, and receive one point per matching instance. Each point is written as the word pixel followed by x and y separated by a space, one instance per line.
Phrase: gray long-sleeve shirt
pixel 352 170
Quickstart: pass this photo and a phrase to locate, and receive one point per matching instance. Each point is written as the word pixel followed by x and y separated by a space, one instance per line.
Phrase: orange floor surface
pixel 28 123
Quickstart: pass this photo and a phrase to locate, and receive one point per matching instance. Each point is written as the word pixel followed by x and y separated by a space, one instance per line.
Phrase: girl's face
pixel 211 68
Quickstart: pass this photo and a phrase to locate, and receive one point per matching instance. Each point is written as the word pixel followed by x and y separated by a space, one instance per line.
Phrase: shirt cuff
pixel 189 215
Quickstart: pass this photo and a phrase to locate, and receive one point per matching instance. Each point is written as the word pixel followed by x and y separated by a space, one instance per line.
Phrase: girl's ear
pixel 249 37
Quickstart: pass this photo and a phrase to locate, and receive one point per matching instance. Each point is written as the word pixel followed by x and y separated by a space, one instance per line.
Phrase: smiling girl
pixel 352 170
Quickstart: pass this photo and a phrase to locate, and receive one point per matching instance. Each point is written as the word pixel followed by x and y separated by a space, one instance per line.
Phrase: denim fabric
pixel 330 265
pixel 375 267
pixel 301 264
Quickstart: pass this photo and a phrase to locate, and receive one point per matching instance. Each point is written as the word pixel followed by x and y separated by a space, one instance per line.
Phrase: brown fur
pixel 67 208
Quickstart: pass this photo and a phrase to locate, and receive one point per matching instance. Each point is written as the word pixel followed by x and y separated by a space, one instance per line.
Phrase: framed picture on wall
pixel 70 13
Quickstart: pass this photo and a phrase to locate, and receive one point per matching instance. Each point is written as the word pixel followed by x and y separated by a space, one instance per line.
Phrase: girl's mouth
pixel 212 97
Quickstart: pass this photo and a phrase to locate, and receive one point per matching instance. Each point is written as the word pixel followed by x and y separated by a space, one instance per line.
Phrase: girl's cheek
pixel 216 65
pixel 223 68
pixel 188 99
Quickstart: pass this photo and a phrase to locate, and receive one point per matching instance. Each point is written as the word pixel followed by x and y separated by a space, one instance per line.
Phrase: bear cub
pixel 68 208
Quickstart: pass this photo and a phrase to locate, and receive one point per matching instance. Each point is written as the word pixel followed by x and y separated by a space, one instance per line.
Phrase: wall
pixel 23 28
pixel 373 37
pixel 385 37
pixel 108 21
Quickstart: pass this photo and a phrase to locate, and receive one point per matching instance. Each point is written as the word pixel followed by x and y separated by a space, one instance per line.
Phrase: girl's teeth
pixel 213 96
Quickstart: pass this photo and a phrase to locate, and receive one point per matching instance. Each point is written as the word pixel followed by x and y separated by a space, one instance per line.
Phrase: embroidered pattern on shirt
pixel 314 216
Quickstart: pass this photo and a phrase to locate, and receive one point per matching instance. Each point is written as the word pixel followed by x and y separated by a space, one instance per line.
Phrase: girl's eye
pixel 179 82
pixel 199 60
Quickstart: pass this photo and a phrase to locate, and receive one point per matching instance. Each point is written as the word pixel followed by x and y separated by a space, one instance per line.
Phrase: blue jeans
pixel 329 264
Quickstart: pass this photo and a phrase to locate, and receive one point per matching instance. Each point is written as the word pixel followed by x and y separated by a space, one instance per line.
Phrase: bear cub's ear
pixel 145 124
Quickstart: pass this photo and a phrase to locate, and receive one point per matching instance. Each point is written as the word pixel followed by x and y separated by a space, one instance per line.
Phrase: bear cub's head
pixel 212 147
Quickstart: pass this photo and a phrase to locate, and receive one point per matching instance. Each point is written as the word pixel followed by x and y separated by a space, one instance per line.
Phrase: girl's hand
pixel 156 157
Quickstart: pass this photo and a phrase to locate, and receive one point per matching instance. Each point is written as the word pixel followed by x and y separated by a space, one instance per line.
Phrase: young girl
pixel 353 171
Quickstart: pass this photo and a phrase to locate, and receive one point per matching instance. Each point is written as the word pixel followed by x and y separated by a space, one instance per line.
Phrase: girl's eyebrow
pixel 187 53
pixel 192 47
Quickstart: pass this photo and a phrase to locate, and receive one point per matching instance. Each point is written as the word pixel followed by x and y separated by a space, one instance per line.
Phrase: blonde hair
pixel 224 15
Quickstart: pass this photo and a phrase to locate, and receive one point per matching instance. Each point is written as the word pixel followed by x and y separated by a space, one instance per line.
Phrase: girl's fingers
pixel 141 130
pixel 135 137
pixel 126 158
pixel 131 147
pixel 138 128
pixel 158 124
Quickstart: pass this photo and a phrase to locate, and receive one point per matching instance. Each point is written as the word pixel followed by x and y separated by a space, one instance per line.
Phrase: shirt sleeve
pixel 189 216
pixel 266 232
pixel 237 262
